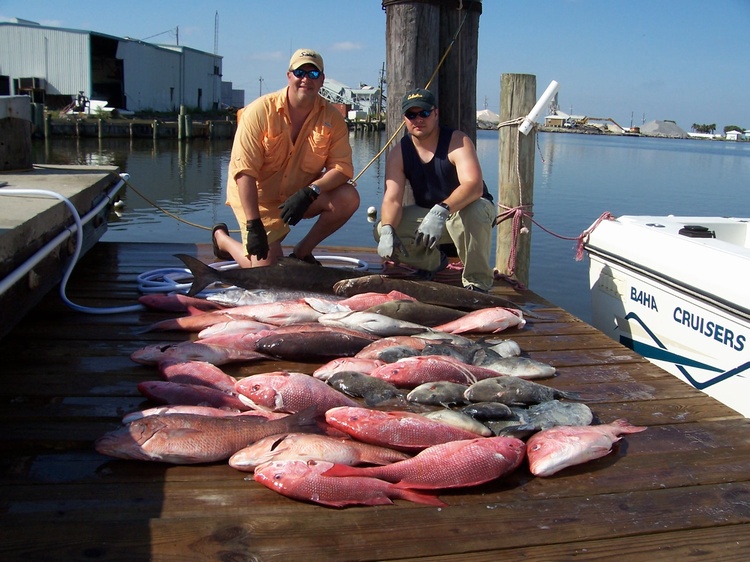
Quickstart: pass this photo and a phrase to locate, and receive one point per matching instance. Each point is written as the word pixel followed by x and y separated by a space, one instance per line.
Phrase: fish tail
pixel 304 418
pixel 203 275
pixel 418 497
pixel 623 426
pixel 568 395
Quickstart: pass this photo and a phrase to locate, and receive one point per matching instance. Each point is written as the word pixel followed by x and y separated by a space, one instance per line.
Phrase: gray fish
pixel 488 411
pixel 428 292
pixel 555 413
pixel 506 348
pixel 445 337
pixel 461 353
pixel 417 312
pixel 442 393
pixel 313 342
pixel 514 391
pixel 235 296
pixel 523 367
pixel 393 354
pixel 460 420
pixel 359 385
pixel 287 274
pixel 371 323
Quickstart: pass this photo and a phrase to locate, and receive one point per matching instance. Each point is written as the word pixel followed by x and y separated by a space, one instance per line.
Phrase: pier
pixel 679 489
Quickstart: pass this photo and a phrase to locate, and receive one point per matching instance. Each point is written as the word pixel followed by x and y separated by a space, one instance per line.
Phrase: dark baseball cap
pixel 420 97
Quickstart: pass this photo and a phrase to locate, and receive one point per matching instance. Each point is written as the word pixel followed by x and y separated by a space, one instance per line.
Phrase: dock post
pixel 155 127
pixel 47 125
pixel 181 123
pixel 516 175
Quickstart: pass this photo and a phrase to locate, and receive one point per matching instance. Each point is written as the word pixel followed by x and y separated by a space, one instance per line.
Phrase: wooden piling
pixel 516 189
pixel 414 51
pixel 457 77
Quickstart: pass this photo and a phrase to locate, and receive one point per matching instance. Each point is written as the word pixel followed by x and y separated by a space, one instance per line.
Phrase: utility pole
pixel 260 86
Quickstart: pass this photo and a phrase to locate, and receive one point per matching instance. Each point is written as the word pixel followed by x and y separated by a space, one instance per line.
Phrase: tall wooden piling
pixel 516 189
pixel 414 50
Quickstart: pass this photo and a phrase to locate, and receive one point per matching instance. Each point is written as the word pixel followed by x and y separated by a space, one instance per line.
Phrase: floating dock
pixel 679 490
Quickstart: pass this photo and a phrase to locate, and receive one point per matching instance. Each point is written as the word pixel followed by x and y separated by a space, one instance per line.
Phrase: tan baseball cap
pixel 306 56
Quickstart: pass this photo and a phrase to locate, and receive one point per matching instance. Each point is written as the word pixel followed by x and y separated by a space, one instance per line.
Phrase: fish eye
pixel 277 476
pixel 256 387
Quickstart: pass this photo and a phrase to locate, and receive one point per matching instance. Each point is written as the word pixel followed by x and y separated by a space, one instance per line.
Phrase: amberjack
pixel 288 274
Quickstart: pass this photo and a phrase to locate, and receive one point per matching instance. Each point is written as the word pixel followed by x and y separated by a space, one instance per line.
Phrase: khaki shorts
pixel 270 215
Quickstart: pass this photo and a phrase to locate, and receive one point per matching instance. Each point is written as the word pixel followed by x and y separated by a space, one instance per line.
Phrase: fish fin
pixel 575 396
pixel 419 497
pixel 203 275
pixel 342 470
pixel 308 416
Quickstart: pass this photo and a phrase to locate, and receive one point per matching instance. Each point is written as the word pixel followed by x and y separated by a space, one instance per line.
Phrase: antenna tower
pixel 216 33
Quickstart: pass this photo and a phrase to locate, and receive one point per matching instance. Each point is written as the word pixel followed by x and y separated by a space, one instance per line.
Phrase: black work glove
pixel 257 239
pixel 293 209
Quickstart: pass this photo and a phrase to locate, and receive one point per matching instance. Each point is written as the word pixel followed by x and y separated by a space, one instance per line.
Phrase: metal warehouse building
pixel 53 65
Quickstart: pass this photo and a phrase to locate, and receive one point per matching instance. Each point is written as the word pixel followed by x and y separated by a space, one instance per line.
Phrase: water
pixel 577 178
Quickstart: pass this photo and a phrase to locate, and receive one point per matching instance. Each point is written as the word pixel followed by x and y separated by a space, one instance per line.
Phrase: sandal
pixel 218 252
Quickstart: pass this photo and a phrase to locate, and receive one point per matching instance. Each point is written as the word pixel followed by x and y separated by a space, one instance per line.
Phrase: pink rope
pixel 518 213
pixel 584 236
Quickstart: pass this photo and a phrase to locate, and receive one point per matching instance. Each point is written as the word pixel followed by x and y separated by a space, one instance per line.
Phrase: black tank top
pixel 434 181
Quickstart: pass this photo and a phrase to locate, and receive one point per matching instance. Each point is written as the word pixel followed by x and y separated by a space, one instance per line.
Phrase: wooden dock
pixel 681 489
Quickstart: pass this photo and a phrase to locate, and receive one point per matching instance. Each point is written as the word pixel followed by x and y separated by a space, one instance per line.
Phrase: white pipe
pixel 45 250
pixel 528 122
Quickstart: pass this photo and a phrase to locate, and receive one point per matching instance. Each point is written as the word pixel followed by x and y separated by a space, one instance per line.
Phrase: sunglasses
pixel 412 115
pixel 312 74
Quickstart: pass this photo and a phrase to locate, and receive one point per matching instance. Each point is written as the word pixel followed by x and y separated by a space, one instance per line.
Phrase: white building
pixel 365 99
pixel 53 65
pixel 735 136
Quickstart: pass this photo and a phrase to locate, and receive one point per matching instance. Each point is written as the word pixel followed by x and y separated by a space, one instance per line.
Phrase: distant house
pixel 55 66
pixel 735 135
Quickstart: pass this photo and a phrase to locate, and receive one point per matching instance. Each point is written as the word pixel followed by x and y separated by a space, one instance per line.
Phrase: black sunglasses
pixel 424 114
pixel 313 74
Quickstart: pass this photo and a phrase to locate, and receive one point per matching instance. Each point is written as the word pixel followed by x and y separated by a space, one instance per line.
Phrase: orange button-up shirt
pixel 263 149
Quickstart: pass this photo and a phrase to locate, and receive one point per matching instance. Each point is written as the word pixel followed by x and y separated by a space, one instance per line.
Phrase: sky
pixel 630 60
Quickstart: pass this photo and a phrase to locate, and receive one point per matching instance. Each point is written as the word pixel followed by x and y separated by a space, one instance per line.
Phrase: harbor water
pixel 577 178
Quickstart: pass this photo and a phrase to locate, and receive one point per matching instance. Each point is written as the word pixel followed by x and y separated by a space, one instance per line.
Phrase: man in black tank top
pixel 450 204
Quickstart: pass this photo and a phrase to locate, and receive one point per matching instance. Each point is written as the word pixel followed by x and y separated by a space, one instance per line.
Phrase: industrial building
pixel 60 67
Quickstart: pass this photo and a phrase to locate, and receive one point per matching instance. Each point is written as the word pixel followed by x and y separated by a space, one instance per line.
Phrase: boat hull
pixel 664 295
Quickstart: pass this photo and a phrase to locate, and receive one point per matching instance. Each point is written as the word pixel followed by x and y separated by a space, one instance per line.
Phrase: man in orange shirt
pixel 291 159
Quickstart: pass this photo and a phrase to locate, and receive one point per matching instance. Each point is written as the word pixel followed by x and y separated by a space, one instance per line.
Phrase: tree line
pixel 710 129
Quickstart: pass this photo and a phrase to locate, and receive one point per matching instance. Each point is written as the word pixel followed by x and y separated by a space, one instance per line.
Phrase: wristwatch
pixel 444 206
pixel 315 189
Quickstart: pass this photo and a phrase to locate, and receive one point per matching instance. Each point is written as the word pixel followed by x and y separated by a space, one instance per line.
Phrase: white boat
pixel 677 291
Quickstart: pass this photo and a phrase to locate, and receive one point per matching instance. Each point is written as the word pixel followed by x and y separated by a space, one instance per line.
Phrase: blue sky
pixel 685 60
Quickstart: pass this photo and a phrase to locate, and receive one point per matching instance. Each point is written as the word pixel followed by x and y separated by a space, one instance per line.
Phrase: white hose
pixel 45 250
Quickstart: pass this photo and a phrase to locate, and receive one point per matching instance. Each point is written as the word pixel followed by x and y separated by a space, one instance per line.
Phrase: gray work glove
pixel 431 229
pixel 389 243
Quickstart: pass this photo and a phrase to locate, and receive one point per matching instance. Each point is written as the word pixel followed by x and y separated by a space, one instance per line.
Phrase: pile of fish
pixel 399 402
